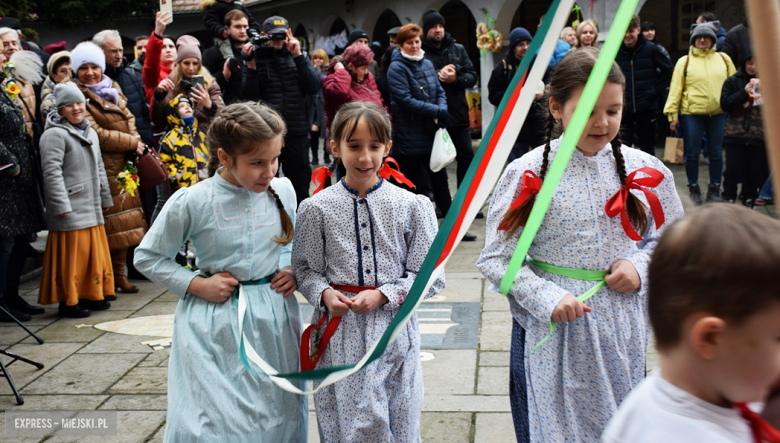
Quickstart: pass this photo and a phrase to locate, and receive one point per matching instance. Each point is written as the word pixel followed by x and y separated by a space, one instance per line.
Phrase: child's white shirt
pixel 657 411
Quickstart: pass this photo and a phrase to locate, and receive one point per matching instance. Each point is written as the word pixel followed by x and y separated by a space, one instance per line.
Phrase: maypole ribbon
pixel 481 177
pixel 587 102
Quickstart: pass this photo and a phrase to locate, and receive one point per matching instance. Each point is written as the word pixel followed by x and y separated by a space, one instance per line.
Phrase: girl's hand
pixel 367 301
pixel 337 303
pixel 104 210
pixel 166 85
pixel 161 22
pixel 64 214
pixel 284 281
pixel 569 309
pixel 623 277
pixel 201 96
pixel 216 289
pixel 674 124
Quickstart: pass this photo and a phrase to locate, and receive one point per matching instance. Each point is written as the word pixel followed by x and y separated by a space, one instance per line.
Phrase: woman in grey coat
pixel 77 269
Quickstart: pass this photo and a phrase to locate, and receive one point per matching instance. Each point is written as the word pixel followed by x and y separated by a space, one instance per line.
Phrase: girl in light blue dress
pixel 240 222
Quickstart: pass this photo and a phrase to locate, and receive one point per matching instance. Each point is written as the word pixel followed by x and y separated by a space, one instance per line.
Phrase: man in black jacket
pixel 647 72
pixel 227 71
pixel 282 76
pixel 532 133
pixel 737 42
pixel 132 86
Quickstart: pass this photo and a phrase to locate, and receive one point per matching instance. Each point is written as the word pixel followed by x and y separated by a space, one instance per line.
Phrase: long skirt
pixel 76 265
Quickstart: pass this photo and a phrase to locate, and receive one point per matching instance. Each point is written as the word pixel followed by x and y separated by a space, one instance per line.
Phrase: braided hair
pixel 236 130
pixel 570 75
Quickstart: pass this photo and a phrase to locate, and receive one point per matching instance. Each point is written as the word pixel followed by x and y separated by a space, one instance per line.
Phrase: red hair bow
pixel 531 185
pixel 617 203
pixel 762 431
pixel 386 172
pixel 320 174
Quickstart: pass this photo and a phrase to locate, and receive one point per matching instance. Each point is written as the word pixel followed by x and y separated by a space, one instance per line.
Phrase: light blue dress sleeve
pixel 286 192
pixel 154 256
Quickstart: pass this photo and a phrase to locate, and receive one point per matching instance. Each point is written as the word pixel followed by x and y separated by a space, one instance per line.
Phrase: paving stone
pixel 157 357
pixel 440 427
pixel 50 315
pixel 4 439
pixel 13 334
pixel 49 354
pixel 466 403
pixel 159 436
pixel 143 381
pixel 494 359
pixel 652 361
pixel 134 302
pixel 450 372
pixel 156 308
pixel 461 274
pixel 496 331
pixel 118 344
pixel 167 296
pixel 64 330
pixel 52 402
pixel 136 403
pixel 494 301
pixel 493 381
pixel 462 263
pixel 132 426
pixel 459 290
pixel 495 427
pixel 85 374
pixel 314 433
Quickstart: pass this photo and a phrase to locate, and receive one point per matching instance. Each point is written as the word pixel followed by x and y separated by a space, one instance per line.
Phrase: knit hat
pixel 67 94
pixel 55 48
pixel 187 46
pixel 87 52
pixel 517 36
pixel 431 18
pixel 709 30
pixel 56 59
pixel 358 55
pixel 356 34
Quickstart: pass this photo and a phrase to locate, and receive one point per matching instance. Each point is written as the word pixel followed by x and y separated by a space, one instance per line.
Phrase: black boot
pixel 695 194
pixel 16 301
pixel 19 315
pixel 94 305
pixel 75 311
pixel 713 194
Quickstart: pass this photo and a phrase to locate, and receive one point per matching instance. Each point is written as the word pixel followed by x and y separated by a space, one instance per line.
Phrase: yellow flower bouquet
pixel 128 179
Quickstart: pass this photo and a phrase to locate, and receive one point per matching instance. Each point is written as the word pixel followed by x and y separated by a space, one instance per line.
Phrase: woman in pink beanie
pixel 348 80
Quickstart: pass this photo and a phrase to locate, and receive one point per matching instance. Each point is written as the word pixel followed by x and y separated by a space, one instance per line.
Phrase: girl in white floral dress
pixel 358 247
pixel 567 389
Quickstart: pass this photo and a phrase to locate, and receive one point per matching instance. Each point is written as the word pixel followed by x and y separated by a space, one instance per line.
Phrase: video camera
pixel 260 41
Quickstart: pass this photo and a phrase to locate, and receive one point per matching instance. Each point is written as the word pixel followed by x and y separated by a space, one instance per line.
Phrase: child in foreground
pixel 715 308
pixel 568 388
pixel 241 223
pixel 359 245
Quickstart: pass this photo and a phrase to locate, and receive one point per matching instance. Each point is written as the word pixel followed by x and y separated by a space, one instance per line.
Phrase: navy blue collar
pixel 370 190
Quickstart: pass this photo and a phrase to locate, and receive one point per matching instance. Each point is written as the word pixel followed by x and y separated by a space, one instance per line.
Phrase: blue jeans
pixel 6 246
pixel 713 127
pixel 767 192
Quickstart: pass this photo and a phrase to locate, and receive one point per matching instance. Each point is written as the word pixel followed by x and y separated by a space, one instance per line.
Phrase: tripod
pixel 14 358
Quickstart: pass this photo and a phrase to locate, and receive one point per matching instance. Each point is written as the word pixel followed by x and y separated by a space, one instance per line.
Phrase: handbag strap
pixel 361 85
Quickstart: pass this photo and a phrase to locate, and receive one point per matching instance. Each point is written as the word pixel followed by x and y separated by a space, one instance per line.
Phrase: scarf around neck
pixel 414 58
pixel 104 89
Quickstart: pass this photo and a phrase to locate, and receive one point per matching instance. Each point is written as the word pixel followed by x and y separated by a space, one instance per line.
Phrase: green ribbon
pixel 579 274
pixel 577 124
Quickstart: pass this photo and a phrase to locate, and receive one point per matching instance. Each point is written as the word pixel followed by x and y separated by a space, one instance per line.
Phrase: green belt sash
pixel 578 274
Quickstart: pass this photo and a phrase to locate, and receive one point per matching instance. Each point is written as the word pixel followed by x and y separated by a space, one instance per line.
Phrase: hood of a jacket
pixel 113 72
pixel 696 52
pixel 446 42
pixel 741 70
pixel 55 120
pixel 173 117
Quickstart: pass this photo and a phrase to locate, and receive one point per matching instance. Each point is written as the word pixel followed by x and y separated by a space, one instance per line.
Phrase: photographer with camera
pixel 282 76
pixel 190 78
pixel 227 70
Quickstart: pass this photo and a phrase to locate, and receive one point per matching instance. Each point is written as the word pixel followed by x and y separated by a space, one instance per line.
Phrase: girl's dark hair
pixel 647 25
pixel 237 129
pixel 346 120
pixel 570 75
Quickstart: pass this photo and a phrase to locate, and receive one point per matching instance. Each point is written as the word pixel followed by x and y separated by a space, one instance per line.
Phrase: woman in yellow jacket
pixel 695 91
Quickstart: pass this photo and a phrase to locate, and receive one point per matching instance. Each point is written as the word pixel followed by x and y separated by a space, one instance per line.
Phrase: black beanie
pixel 431 18
pixel 356 34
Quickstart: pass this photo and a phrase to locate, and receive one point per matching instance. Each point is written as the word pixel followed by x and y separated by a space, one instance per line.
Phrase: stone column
pixel 485 69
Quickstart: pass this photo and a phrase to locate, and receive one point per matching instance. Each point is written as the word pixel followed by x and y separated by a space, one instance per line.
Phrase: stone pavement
pixel 118 359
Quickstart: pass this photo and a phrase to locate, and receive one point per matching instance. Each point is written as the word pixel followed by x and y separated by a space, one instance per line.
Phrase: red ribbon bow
pixel 531 185
pixel 320 174
pixel 762 431
pixel 617 203
pixel 386 172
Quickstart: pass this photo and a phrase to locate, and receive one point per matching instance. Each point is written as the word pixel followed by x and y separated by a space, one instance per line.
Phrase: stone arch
pixel 386 21
pixel 462 25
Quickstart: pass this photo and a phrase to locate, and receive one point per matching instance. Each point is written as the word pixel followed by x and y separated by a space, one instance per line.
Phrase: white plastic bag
pixel 443 152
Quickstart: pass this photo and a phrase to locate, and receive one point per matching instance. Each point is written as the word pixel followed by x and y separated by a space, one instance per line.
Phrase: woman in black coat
pixel 21 206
